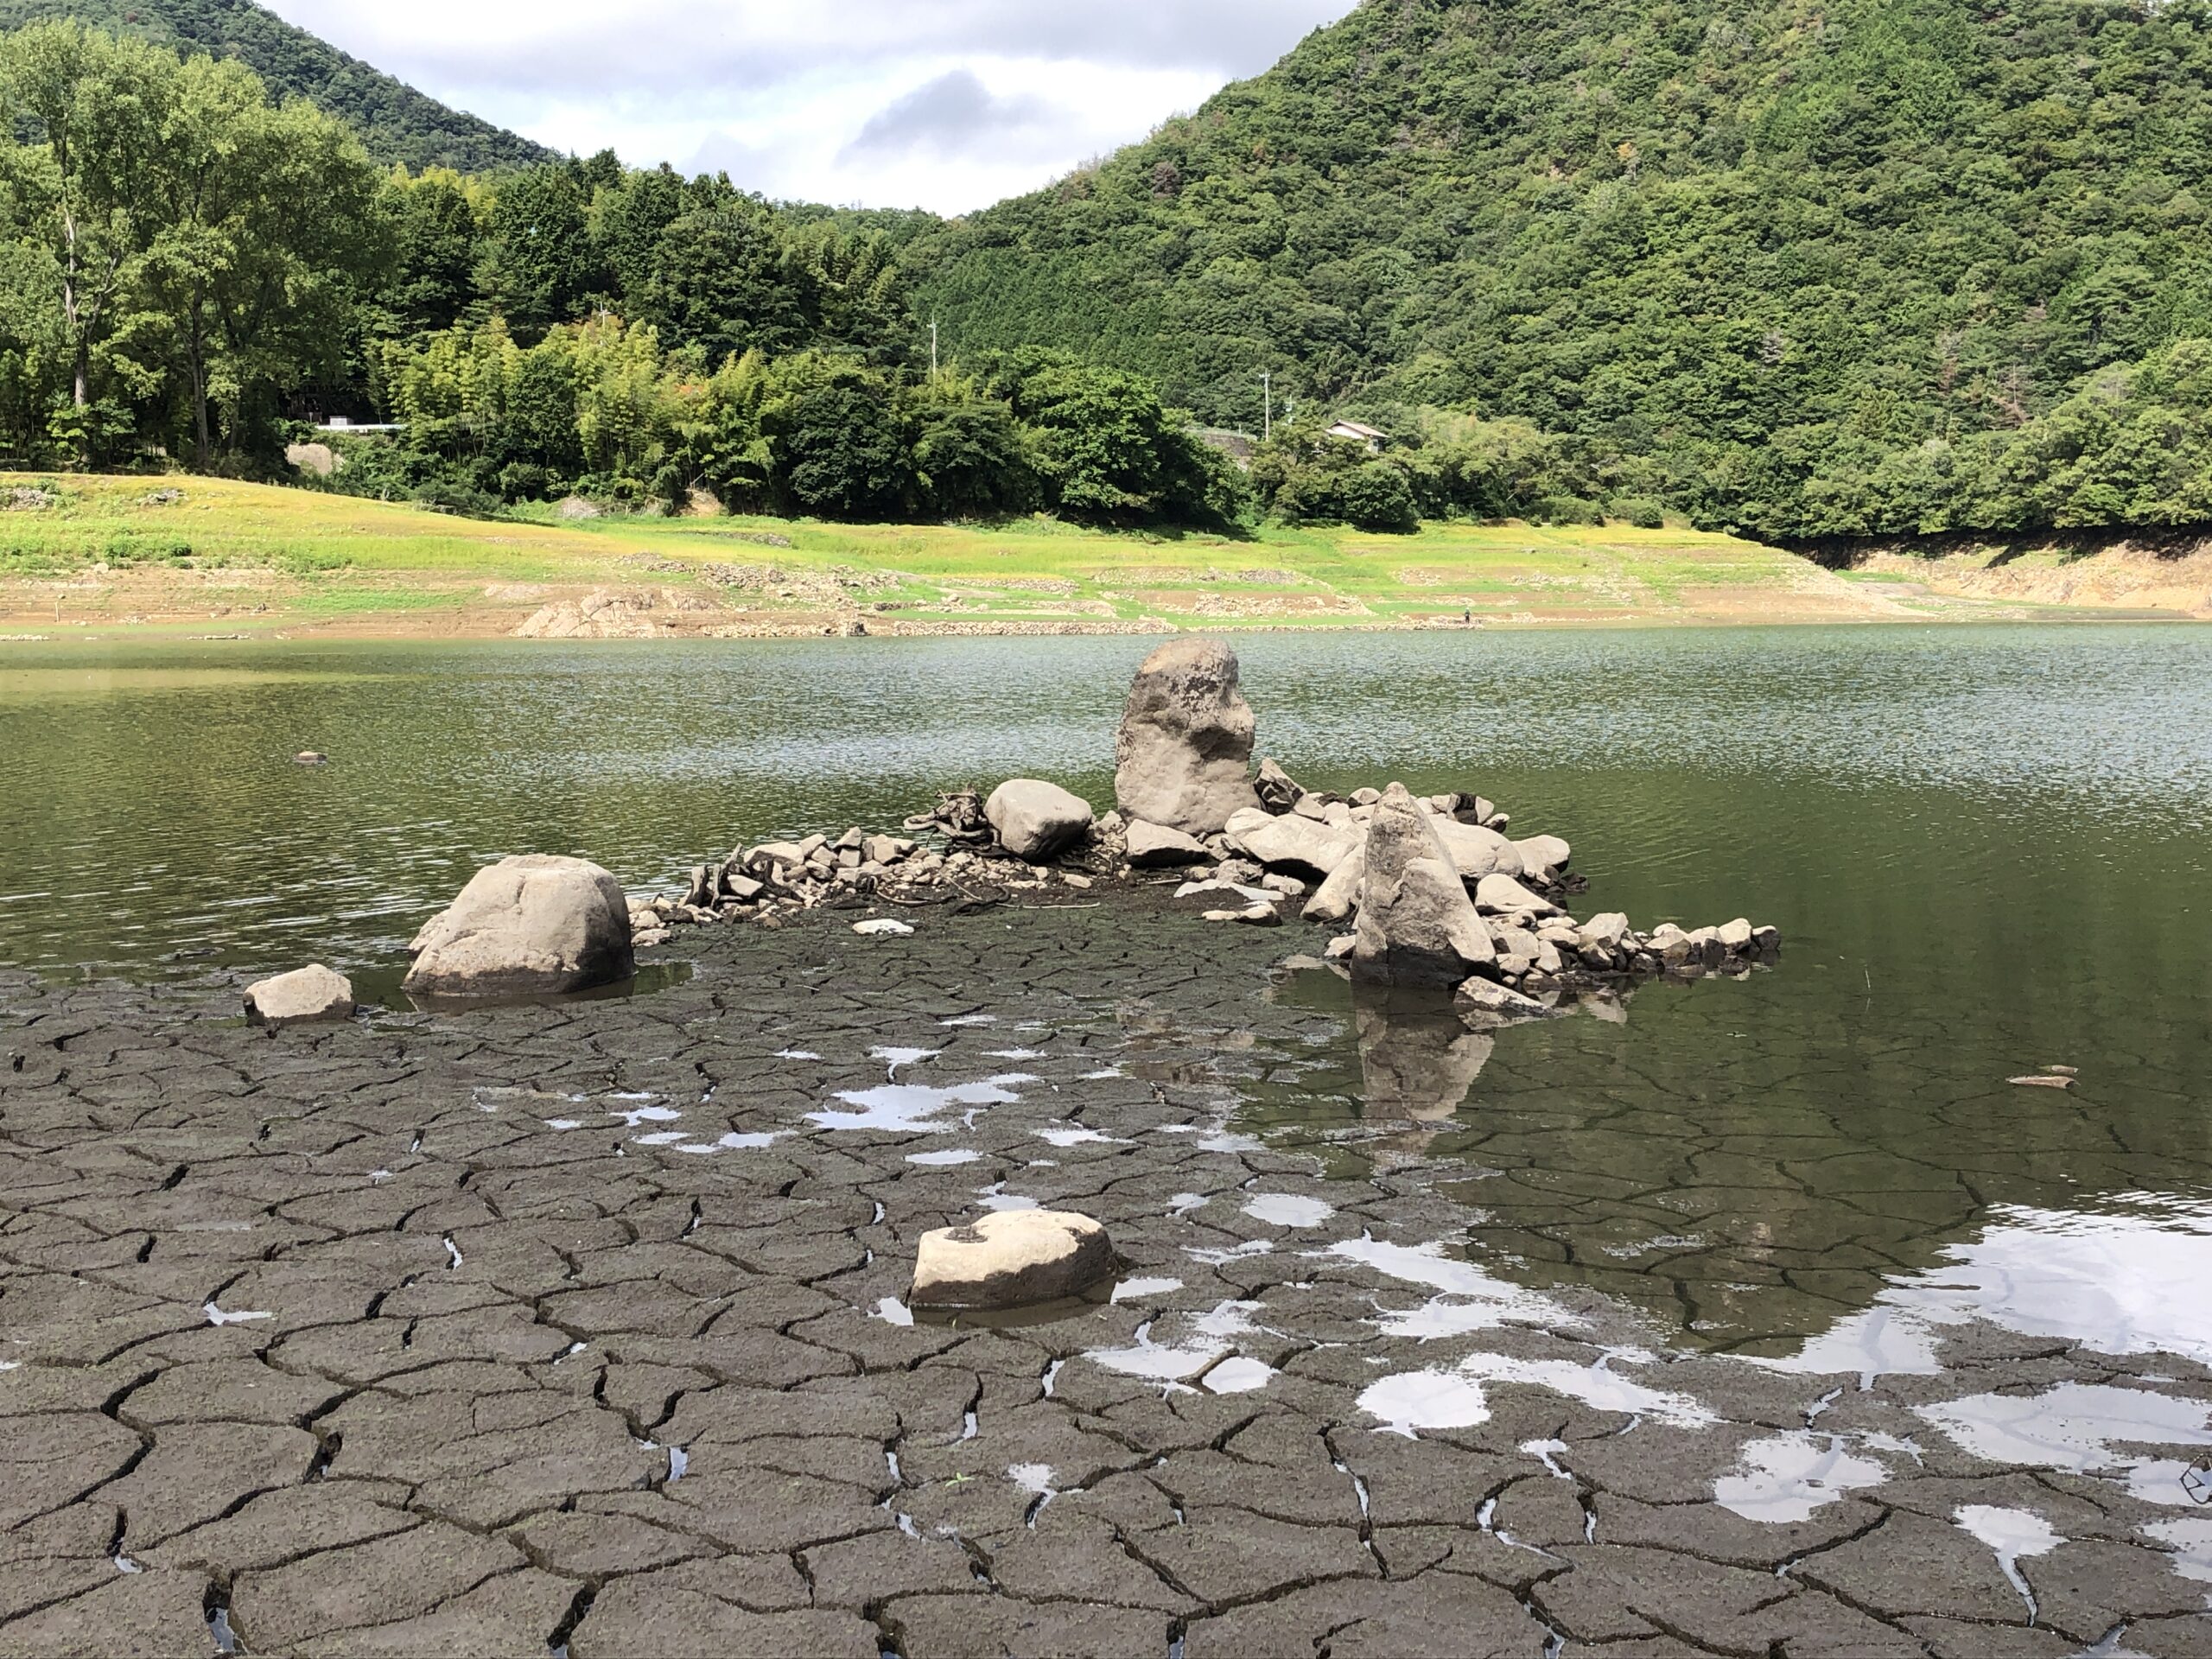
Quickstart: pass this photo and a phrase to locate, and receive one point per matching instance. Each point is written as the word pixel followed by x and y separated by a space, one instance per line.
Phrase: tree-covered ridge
pixel 1878 264
pixel 398 123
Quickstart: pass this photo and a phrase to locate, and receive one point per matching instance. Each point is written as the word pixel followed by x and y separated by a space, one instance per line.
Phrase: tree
pixel 267 234
pixel 92 107
pixel 540 269
pixel 1106 447
pixel 834 444
pixel 969 459
pixel 717 281
pixel 438 243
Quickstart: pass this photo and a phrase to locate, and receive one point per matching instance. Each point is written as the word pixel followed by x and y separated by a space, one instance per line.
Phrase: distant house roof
pixel 1353 429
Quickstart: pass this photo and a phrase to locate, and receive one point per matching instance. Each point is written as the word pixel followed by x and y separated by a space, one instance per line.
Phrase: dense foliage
pixel 189 269
pixel 642 337
pixel 177 249
pixel 1874 265
pixel 396 122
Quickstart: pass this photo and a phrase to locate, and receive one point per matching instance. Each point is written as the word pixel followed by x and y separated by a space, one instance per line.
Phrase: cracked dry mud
pixel 579 1327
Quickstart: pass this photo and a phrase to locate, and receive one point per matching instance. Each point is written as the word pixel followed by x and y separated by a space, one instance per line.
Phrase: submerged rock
pixel 535 924
pixel 1010 1259
pixel 314 992
pixel 1416 923
pixel 1036 819
pixel 1184 748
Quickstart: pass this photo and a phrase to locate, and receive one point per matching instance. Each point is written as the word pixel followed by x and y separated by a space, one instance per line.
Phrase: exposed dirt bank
pixel 2149 570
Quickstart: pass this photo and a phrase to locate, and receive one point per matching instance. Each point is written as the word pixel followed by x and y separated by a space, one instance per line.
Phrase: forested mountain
pixel 396 122
pixel 1806 266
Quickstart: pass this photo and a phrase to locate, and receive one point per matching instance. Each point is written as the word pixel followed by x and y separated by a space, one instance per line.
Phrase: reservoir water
pixel 1986 850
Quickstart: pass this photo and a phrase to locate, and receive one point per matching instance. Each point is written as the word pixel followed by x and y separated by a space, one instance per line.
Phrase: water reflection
pixel 1418 1060
pixel 2127 1280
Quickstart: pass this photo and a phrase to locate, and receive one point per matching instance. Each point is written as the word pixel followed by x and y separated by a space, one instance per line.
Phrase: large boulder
pixel 1036 819
pixel 1154 846
pixel 1011 1258
pixel 536 925
pixel 1184 752
pixel 314 992
pixel 1417 926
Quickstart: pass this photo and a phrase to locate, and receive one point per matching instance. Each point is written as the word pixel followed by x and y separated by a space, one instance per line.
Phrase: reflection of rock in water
pixel 1419 1059
pixel 1420 1056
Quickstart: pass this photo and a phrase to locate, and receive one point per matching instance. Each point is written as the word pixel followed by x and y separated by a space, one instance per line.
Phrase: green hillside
pixel 398 123
pixel 1853 266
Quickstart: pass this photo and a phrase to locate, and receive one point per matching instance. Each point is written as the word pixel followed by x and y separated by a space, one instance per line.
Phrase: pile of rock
pixel 1433 890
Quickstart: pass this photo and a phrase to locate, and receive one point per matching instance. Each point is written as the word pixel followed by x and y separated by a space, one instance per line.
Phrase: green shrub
pixel 1640 510
pixel 1567 510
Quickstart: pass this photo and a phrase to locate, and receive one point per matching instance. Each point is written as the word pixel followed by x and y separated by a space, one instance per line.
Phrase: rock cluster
pixel 1423 890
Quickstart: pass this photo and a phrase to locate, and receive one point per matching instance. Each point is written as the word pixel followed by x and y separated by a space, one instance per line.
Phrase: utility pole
pixel 932 350
pixel 1266 405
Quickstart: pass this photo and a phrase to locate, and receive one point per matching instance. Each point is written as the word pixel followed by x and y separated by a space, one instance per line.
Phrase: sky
pixel 949 104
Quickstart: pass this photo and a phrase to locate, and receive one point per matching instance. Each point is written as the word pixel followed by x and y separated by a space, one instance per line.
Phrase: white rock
pixel 1338 896
pixel 1608 930
pixel 1503 895
pixel 1477 852
pixel 1011 1258
pixel 1036 819
pixel 1252 916
pixel 883 927
pixel 311 993
pixel 530 926
pixel 1155 846
pixel 1293 842
pixel 1736 935
pixel 1543 855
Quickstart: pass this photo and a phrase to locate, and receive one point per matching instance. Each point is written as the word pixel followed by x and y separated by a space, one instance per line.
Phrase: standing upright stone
pixel 1417 926
pixel 1184 755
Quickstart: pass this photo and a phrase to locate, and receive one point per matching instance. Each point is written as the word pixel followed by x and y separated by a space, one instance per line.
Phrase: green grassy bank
pixel 100 552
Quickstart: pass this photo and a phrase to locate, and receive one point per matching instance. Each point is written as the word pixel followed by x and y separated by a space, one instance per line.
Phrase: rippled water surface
pixel 1987 850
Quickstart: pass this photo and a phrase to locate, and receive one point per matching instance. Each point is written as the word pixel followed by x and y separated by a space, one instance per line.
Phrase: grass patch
pixel 334 554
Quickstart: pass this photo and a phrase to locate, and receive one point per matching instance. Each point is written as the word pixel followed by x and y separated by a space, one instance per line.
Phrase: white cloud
pixel 942 104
